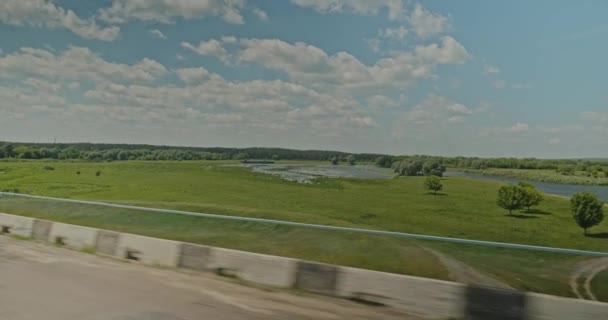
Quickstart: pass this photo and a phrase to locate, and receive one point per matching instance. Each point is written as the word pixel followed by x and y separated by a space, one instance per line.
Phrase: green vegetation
pixel 587 210
pixel 401 204
pixel 600 286
pixel 550 176
pixel 511 197
pixel 531 196
pixel 433 184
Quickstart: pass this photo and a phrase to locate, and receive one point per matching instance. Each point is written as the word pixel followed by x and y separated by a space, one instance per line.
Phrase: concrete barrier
pixel 11 224
pixel 317 277
pixel 545 307
pixel 41 230
pixel 194 257
pixel 497 304
pixel 148 250
pixel 421 297
pixel 72 236
pixel 258 268
pixel 107 242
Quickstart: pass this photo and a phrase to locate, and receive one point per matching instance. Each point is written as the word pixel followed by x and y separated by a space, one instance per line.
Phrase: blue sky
pixel 474 78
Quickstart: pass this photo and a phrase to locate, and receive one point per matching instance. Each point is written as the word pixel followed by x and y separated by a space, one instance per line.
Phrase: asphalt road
pixel 38 281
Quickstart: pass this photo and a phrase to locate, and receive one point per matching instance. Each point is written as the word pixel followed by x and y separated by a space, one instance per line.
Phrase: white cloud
pixel 561 129
pixel 398 33
pixel 211 47
pixel 308 64
pixel 426 23
pixel 499 84
pixel 449 52
pixel 595 116
pixel 163 11
pixel 157 33
pixel 395 8
pixel 43 13
pixel 435 110
pixel 192 76
pixel 75 63
pixel 180 57
pixel 374 44
pixel 519 127
pixel 379 102
pixel 490 69
pixel 229 39
pixel 554 141
pixel 261 14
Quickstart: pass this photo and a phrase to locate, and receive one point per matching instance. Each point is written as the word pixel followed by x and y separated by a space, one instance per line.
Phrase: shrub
pixel 48 168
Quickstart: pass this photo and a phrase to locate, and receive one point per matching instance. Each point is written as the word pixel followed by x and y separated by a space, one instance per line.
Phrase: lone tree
pixel 433 183
pixel 334 160
pixel 587 210
pixel 351 159
pixel 510 197
pixel 531 197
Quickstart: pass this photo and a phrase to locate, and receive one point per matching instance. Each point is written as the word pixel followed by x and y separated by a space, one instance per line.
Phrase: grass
pixel 550 176
pixel 599 286
pixel 466 209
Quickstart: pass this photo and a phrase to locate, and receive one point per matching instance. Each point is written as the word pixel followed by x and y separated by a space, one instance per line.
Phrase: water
pixel 307 173
pixel 552 188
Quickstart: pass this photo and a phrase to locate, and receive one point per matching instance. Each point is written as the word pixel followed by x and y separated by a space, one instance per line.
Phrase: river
pixel 551 188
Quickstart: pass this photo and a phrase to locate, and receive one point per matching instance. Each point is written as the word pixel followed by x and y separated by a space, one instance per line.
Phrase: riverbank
pixel 548 176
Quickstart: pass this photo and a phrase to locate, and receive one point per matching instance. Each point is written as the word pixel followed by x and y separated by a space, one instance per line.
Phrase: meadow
pixel 465 209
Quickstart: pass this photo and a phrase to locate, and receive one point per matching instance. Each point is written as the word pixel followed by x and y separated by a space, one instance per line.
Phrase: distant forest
pixel 121 152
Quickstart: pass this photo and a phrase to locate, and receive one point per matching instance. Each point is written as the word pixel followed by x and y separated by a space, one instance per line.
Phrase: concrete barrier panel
pixel 148 250
pixel 194 257
pixel 497 304
pixel 41 230
pixel 545 307
pixel 316 277
pixel 72 236
pixel 17 225
pixel 253 267
pixel 107 242
pixel 421 297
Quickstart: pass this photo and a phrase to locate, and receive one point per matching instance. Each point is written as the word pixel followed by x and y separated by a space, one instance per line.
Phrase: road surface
pixel 38 281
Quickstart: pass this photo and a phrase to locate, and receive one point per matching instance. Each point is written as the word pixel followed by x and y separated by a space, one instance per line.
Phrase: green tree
pixel 532 197
pixel 351 159
pixel 433 168
pixel 511 197
pixel 275 157
pixel 587 210
pixel 334 160
pixel 433 184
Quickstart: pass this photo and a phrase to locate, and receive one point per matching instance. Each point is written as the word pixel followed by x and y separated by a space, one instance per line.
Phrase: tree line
pixel 120 152
pixel 403 165
pixel 408 165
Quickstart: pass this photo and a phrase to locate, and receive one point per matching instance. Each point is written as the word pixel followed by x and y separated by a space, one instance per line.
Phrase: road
pixel 38 281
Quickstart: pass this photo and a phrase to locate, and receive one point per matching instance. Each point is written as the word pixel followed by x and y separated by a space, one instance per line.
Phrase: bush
pixel 48 168
pixel 433 183
pixel 98 173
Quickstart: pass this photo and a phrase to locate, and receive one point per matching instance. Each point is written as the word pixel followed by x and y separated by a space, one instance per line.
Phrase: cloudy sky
pixel 483 78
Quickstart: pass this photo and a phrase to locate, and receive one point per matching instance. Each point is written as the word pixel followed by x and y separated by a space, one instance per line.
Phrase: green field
pixel 466 209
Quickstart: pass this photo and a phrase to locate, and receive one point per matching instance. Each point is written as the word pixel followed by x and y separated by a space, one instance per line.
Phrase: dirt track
pixel 38 281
